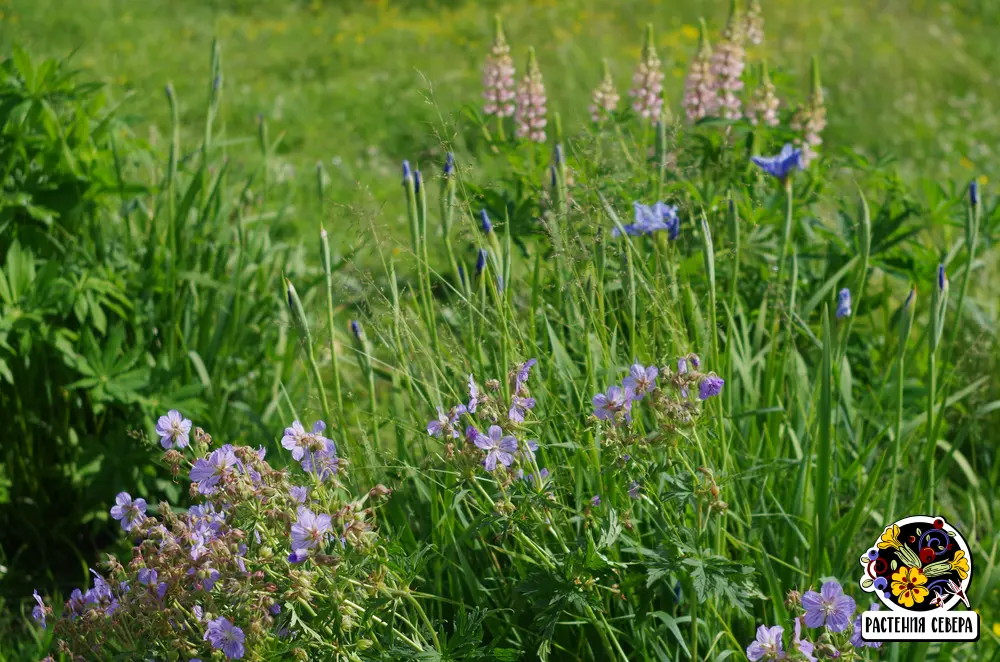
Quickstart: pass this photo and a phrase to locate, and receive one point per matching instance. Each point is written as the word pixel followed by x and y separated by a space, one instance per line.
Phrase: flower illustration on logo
pixel 918 564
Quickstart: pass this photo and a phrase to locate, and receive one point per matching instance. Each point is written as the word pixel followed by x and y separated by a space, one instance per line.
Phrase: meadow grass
pixel 712 509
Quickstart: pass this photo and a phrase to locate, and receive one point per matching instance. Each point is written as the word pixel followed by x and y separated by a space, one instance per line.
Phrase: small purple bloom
pixel 147 576
pixel 528 449
pixel 407 173
pixel 38 611
pixel 767 646
pixel 449 164
pixel 222 634
pixel 481 261
pixel 297 440
pixel 322 463
pixel 974 193
pixel 208 471
pixel 843 303
pixel 648 220
pixel 710 386
pixel 499 448
pixel 829 607
pixel 782 165
pixel 633 490
pixel 682 366
pixel 942 278
pixel 695 361
pixel 309 530
pixel 356 329
pixel 641 380
pixel 523 371
pixel 173 429
pixel 595 500
pixel 198 612
pixel 617 399
pixel 518 406
pixel 804 646
pixel 161 590
pixel 485 221
pixel 416 181
pixel 856 639
pixel 275 609
pixel 474 395
pixel 128 511
pixel 300 494
pixel 298 555
pixel 439 425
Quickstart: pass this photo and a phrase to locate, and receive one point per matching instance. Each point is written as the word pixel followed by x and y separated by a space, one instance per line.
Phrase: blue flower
pixel 782 165
pixel 844 303
pixel 221 633
pixel 449 165
pixel 648 220
pixel 485 219
pixel 942 278
pixel 974 193
pixel 407 173
pixel 356 329
pixel 710 386
pixel 480 261
pixel 416 181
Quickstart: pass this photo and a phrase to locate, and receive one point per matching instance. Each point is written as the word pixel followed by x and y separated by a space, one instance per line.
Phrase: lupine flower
pixel 647 81
pixel 297 440
pixel 856 639
pixel 523 371
pixel 208 471
pixel 605 97
pixel 222 634
pixel 829 607
pixel 810 119
pixel 38 611
pixel 804 646
pixel 781 165
pixel 763 106
pixel 753 23
pixel 700 99
pixel 843 303
pixel 126 510
pixel 727 67
pixel 595 500
pixel 474 395
pixel 529 115
pixel 498 77
pixel 641 380
pixel 710 386
pixel 310 530
pixel 499 448
pixel 518 406
pixel 480 261
pixel 173 429
pixel 767 646
pixel 633 490
pixel 485 221
pixel 617 399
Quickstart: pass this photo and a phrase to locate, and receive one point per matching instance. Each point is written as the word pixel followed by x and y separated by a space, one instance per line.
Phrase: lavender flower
pixel 781 165
pixel 641 380
pixel 810 119
pixel 856 639
pixel 498 77
pixel 727 67
pixel 595 500
pixel 523 371
pixel 647 81
pixel 518 407
pixel 700 99
pixel 297 440
pixel 485 221
pixel 843 303
pixel 710 386
pixel 208 471
pixel 310 530
pixel 129 512
pixel 605 97
pixel 753 23
pixel 763 106
pixel 767 646
pixel 222 634
pixel 38 611
pixel 530 114
pixel 499 448
pixel 173 428
pixel 608 405
pixel 829 607
pixel 474 395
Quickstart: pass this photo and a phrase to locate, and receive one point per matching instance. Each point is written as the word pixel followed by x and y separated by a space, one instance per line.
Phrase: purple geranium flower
pixel 617 399
pixel 518 406
pixel 222 634
pixel 324 462
pixel 781 165
pixel 173 429
pixel 767 646
pixel 147 576
pixel 209 470
pixel 641 380
pixel 443 423
pixel 595 500
pixel 309 530
pixel 38 611
pixel 499 448
pixel 829 607
pixel 856 639
pixel 300 494
pixel 804 646
pixel 682 366
pixel 523 371
pixel 128 511
pixel 710 386
pixel 843 303
pixel 297 440
pixel 474 394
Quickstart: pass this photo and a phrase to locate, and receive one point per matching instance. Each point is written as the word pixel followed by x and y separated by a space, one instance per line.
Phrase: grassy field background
pixel 360 85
